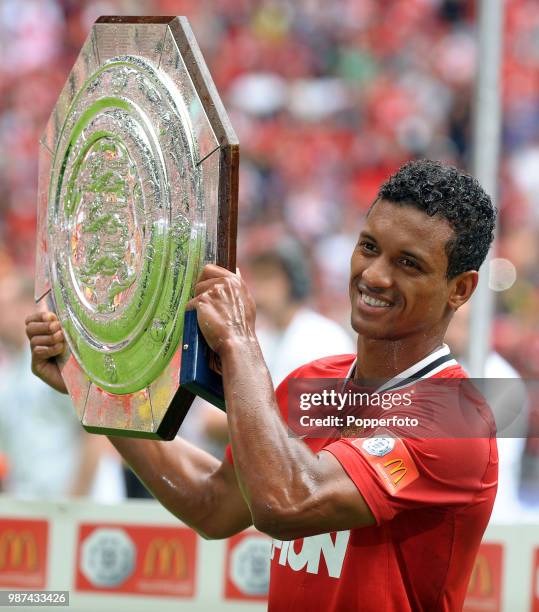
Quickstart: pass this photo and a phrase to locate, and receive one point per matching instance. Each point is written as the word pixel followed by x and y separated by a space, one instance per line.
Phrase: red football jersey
pixel 431 499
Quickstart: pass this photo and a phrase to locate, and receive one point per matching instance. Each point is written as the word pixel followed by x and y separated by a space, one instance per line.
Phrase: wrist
pixel 236 345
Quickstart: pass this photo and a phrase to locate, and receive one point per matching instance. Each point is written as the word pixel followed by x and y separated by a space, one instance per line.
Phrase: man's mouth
pixel 373 302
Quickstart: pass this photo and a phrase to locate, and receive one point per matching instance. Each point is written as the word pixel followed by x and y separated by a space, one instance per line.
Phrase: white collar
pixel 440 359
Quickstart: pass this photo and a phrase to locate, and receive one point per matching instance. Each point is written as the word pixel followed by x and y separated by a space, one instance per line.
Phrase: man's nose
pixel 378 274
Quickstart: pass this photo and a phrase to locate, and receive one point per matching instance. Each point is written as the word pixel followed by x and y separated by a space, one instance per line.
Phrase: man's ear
pixel 461 288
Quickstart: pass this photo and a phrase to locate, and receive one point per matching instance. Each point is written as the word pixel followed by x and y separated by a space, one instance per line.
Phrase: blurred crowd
pixel 327 98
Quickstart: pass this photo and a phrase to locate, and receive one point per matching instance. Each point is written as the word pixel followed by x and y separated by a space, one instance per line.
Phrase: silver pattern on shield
pixel 136 193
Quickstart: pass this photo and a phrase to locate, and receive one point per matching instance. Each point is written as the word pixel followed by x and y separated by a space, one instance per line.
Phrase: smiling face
pixel 398 283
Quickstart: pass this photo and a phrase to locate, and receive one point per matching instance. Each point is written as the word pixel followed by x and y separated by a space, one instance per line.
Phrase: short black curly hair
pixel 443 190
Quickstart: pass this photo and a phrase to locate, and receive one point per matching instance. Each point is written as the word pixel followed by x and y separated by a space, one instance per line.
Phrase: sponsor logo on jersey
pixel 390 459
pixel 396 469
pixel 379 446
pixel 305 554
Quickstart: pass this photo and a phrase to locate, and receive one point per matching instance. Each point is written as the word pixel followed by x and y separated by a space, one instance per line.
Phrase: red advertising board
pixel 23 553
pixel 485 587
pixel 535 582
pixel 137 559
pixel 247 566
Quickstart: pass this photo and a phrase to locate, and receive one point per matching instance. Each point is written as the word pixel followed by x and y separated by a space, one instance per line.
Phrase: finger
pixel 49 340
pixel 216 286
pixel 42 329
pixel 230 281
pixel 39 317
pixel 213 271
pixel 192 304
pixel 49 316
pixel 203 286
pixel 238 272
pixel 31 318
pixel 198 302
pixel 37 329
pixel 46 352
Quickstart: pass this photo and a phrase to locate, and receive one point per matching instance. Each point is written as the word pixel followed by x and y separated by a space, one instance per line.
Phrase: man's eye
pixel 367 246
pixel 409 263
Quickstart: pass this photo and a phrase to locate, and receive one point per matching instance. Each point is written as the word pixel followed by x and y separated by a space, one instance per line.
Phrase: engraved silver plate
pixel 137 190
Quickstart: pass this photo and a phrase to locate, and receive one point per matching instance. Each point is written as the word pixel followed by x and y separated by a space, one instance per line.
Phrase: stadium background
pixel 327 100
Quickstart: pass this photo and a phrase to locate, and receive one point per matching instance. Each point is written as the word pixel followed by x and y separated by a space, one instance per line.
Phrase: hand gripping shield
pixel 138 179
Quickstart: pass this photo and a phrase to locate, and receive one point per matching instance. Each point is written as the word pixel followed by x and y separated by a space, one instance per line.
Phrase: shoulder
pixel 454 370
pixel 395 475
pixel 452 457
pixel 335 366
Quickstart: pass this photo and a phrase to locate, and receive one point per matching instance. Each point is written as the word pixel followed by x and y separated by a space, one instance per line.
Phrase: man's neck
pixel 377 359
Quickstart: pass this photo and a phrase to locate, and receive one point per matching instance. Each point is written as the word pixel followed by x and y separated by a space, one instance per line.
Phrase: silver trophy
pixel 138 179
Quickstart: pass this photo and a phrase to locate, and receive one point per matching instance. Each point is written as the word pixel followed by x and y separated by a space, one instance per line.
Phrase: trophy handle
pixel 200 371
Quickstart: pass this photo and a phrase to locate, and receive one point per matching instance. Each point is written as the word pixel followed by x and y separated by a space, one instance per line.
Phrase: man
pixel 403 541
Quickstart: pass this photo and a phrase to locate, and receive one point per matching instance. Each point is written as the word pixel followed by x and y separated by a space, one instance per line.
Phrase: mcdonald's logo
pixel 398 468
pixel 18 551
pixel 392 460
pixel 165 559
pixel 481 582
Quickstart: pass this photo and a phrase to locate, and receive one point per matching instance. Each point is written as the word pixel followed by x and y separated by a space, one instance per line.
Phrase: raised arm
pixel 292 492
pixel 196 487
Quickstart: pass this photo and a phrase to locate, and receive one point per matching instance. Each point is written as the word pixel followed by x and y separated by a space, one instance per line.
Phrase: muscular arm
pixel 291 491
pixel 197 488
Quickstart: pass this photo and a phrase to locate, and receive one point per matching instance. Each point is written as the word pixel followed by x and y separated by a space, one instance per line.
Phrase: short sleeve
pixel 394 474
